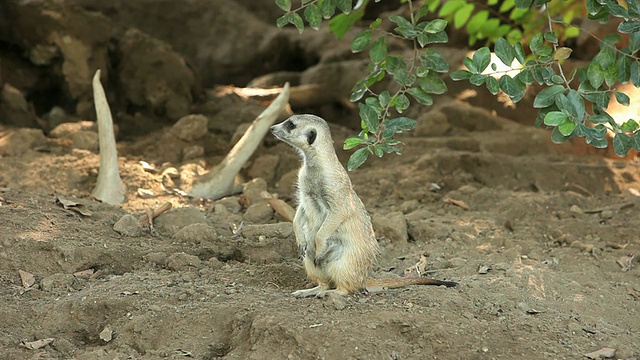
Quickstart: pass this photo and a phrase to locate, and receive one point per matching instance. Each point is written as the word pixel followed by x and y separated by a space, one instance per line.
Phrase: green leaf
pixel 478 79
pixel 460 75
pixel 523 4
pixel 433 60
pixel 506 6
pixel 477 20
pixel 282 21
pixel 357 158
pixel 432 84
pixel 361 41
pixel 385 98
pixel 567 127
pixel 504 51
pixel 470 65
pixel 296 20
pixel 492 85
pixel 284 4
pixel 622 98
pixel 536 42
pixel 312 14
pixel 512 87
pixel 577 104
pixel 593 7
pixel 378 51
pixel 345 6
pixel 520 54
pixel 622 144
pixel 402 103
pixel 617 10
pixel 370 117
pixel 377 150
pixel 328 8
pixel 635 74
pixel 557 137
pixel 400 124
pixel 482 58
pixel 636 140
pixel 340 24
pixel 462 15
pixel 421 96
pixel 449 7
pixel 351 142
pixel 435 26
pixel 634 41
pixel 601 118
pixel 629 126
pixel 627 27
pixel 555 118
pixel 551 36
pixel 547 96
pixel 624 69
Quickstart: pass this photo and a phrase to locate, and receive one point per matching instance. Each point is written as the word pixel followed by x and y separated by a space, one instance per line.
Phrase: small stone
pixel 182 261
pixel 157 258
pixel 576 209
pixel 192 152
pixel 279 231
pixel 433 123
pixel 392 225
pixel 190 127
pixel 253 189
pixel 106 334
pixel 231 203
pixel 264 167
pixel 195 233
pixel 57 282
pixel 64 347
pixel 606 214
pixel 155 308
pixel 409 206
pixel 173 220
pixel 259 213
pixel 128 225
pixel 339 302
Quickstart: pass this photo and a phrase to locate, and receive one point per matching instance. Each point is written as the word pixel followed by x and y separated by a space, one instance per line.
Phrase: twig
pixel 147 219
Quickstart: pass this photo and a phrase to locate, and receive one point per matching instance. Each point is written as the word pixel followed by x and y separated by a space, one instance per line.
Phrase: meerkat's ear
pixel 311 137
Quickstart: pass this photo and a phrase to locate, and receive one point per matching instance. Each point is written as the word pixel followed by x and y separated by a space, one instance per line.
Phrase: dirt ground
pixel 540 238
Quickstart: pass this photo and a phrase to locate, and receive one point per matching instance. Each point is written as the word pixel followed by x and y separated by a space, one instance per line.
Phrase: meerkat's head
pixel 309 134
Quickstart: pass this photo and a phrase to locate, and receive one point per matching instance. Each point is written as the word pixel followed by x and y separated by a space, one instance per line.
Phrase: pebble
pixel 128 225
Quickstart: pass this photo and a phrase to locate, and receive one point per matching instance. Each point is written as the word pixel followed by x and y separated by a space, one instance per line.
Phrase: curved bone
pixel 219 181
pixel 109 187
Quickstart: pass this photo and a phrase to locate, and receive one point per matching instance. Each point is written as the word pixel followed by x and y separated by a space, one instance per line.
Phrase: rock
pixel 190 127
pixel 392 225
pixel 195 233
pixel 192 152
pixel 259 213
pixel 128 225
pixel 339 302
pixel 66 129
pixel 19 141
pixel 231 203
pixel 153 75
pixel 432 123
pixel 253 189
pixel 14 109
pixel 409 206
pixel 280 230
pixel 64 347
pixel 182 262
pixel 57 282
pixel 85 140
pixel 264 167
pixel 173 220
pixel 157 258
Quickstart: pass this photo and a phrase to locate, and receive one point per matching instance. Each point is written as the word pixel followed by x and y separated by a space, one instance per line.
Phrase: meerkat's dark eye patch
pixel 290 125
pixel 311 137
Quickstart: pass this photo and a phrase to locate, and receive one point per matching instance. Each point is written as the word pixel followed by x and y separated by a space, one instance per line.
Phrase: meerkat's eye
pixel 291 125
pixel 311 136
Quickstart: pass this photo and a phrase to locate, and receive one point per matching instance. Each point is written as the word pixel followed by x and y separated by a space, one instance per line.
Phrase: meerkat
pixel 332 228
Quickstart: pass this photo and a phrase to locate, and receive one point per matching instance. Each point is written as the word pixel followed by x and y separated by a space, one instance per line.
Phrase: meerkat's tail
pixel 374 285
